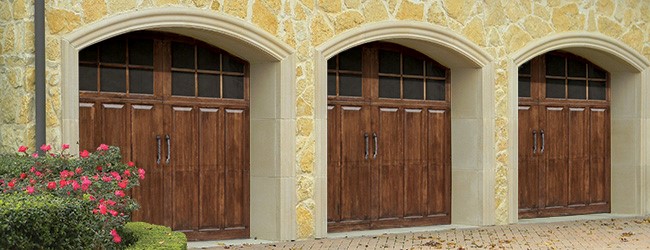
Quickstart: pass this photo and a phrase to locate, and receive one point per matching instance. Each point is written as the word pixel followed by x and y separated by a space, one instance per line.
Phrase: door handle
pixel 543 141
pixel 169 148
pixel 374 138
pixel 534 141
pixel 159 153
pixel 365 138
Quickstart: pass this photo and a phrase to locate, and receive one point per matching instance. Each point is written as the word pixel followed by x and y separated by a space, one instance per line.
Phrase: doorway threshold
pixel 370 233
pixel 223 243
pixel 603 216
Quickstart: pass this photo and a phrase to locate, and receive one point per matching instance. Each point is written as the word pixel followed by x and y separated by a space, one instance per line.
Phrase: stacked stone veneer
pixel 500 27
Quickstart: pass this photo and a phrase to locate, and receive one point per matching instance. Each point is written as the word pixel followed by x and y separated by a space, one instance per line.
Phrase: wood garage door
pixel 564 147
pixel 179 109
pixel 388 139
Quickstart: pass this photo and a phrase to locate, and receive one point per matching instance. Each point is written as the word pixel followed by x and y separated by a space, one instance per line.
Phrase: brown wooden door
pixel 388 150
pixel 183 116
pixel 563 138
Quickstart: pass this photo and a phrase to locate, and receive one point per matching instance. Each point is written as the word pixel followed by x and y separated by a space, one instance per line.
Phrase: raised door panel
pixel 438 175
pixel 528 169
pixel 114 126
pixel 146 146
pixel 333 164
pixel 236 168
pixel 211 168
pixel 599 156
pixel 578 149
pixel 88 134
pixel 389 164
pixel 182 166
pixel 355 168
pixel 415 163
pixel 554 143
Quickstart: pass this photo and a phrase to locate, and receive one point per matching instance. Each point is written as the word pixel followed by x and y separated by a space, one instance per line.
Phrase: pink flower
pixel 75 185
pixel 111 202
pixel 99 168
pixel 23 175
pixel 106 178
pixel 30 190
pixel 51 185
pixel 63 183
pixel 119 193
pixel 65 146
pixel 35 155
pixel 96 177
pixel 116 237
pixel 46 148
pixel 22 149
pixel 32 169
pixel 102 147
pixel 92 198
pixel 85 183
pixel 78 170
pixel 102 209
pixel 123 184
pixel 84 154
pixel 130 164
pixel 141 173
pixel 38 173
pixel 116 175
pixel 11 183
pixel 127 173
pixel 113 212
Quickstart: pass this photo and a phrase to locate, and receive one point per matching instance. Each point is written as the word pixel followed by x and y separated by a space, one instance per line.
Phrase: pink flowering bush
pixel 100 178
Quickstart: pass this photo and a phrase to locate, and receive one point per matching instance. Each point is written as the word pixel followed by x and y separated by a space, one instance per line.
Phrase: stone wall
pixel 500 27
pixel 16 74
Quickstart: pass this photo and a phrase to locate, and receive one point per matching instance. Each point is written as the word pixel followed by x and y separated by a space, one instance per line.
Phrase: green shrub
pixel 46 222
pixel 155 237
pixel 101 179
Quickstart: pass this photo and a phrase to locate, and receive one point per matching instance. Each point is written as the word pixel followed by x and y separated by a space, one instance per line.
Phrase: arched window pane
pixel 113 79
pixel 182 84
pixel 233 87
pixel 555 88
pixel 349 85
pixel 412 65
pixel 389 62
pixel 209 85
pixel 88 77
pixel 413 88
pixel 436 90
pixel 141 81
pixel 182 56
pixel 113 51
pixel 555 65
pixel 207 59
pixel 141 52
pixel 577 89
pixel 389 87
pixel 350 59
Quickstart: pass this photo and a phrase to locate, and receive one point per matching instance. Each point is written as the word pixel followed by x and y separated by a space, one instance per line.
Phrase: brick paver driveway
pixel 625 233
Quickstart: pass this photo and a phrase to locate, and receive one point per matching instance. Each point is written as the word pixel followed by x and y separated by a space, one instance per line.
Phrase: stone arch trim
pixel 468 58
pixel 626 64
pixel 272 103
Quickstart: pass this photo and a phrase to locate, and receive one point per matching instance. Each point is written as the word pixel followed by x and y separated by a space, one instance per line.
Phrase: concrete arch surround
pixel 272 117
pixel 472 113
pixel 630 116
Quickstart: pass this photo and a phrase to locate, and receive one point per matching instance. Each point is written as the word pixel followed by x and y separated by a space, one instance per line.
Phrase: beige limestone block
pixel 308 3
pixel 19 9
pixel 5 11
pixel 51 116
pixel 496 16
pixel 14 77
pixel 9 39
pixel 305 126
pixel 264 18
pixel 30 79
pixel 305 187
pixel 410 11
pixel 475 31
pixel 515 38
pixel 609 27
pixel 215 6
pixel 305 221
pixel 320 30
pixel 459 10
pixel 568 18
pixel 634 38
pixel 116 6
pixel 542 12
pixel 61 21
pixel 166 2
pixel 201 3
pixel 605 7
pixel 299 12
pixel 25 114
pixel 515 12
pixel 274 5
pixel 303 108
pixel 347 20
pixel 289 34
pixel 331 6
pixel 236 8
pixel 28 40
pixel 93 10
pixel 8 105
pixel 52 48
pixel 553 3
pixel 375 10
pixel 307 161
pixel 537 27
pixel 436 15
pixel 352 4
